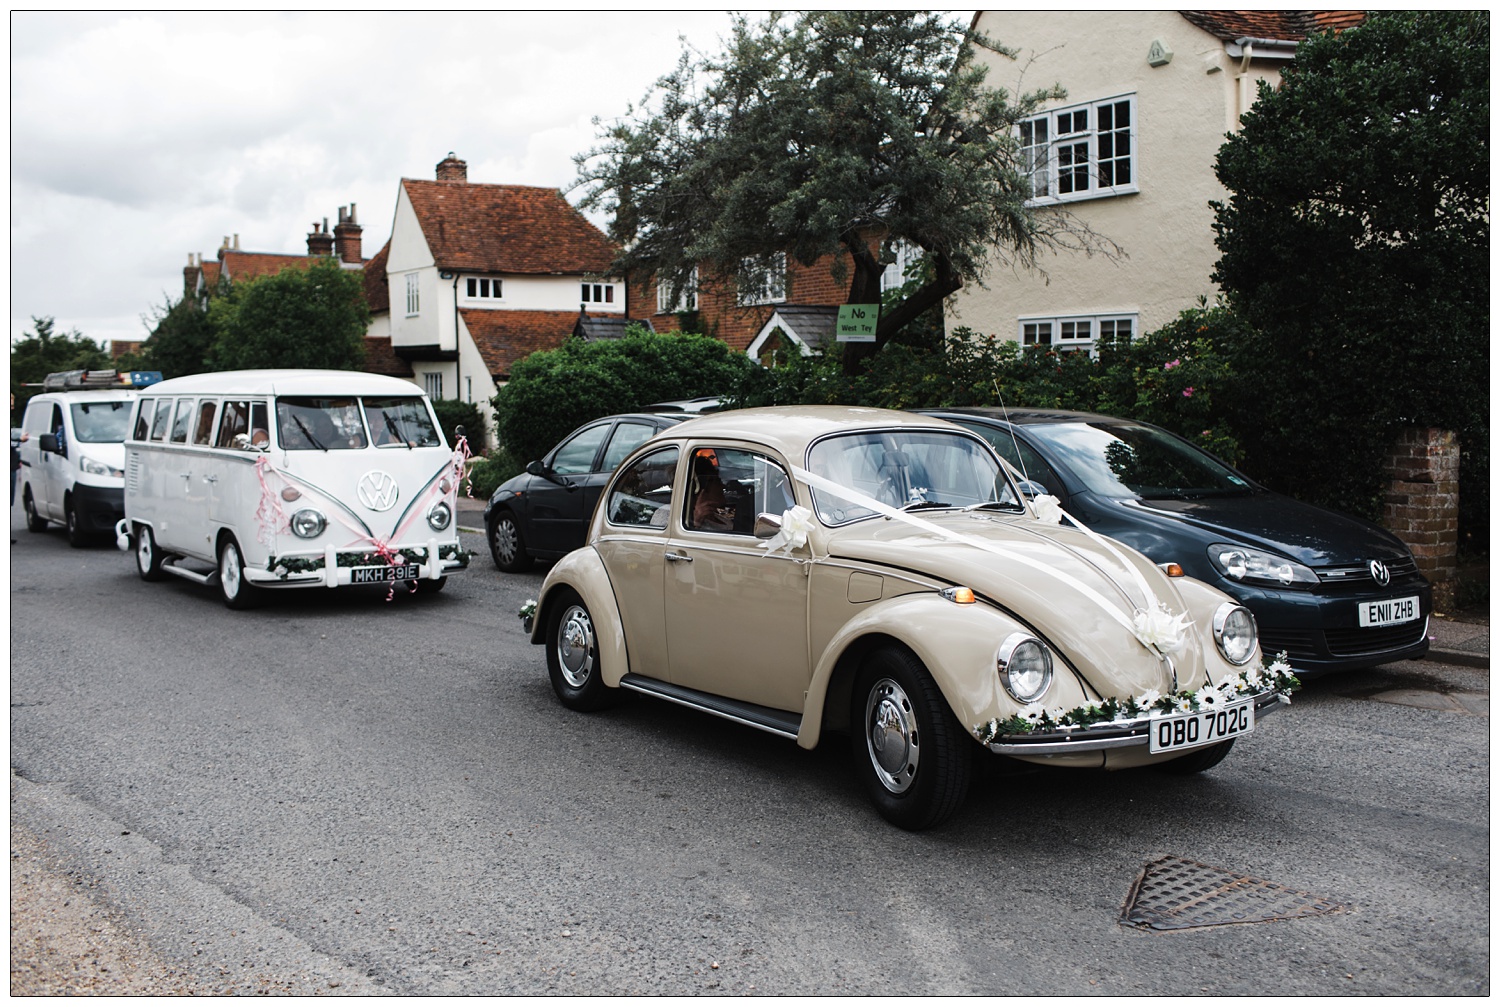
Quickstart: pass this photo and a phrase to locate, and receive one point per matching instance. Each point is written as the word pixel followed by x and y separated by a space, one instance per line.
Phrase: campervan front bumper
pixel 342 567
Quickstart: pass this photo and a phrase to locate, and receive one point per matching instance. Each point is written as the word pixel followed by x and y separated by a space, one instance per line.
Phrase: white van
pixel 73 457
pixel 290 478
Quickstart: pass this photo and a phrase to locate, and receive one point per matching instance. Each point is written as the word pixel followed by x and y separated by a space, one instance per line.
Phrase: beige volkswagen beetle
pixel 807 570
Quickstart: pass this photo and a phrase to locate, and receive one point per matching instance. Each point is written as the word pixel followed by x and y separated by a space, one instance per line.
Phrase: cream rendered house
pixel 1130 151
pixel 478 276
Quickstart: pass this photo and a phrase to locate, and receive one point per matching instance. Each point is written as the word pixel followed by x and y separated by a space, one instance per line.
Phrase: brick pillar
pixel 320 242
pixel 346 236
pixel 1421 503
pixel 451 169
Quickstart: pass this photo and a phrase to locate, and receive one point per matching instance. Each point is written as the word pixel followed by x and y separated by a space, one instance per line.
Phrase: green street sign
pixel 857 323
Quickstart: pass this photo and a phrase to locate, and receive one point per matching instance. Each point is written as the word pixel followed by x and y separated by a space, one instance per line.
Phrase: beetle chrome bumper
pixel 1099 737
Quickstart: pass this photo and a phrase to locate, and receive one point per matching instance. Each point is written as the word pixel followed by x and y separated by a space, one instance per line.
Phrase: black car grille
pixel 1299 645
pixel 1359 573
pixel 1353 642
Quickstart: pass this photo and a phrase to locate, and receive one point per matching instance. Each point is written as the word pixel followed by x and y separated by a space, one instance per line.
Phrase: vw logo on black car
pixel 1380 572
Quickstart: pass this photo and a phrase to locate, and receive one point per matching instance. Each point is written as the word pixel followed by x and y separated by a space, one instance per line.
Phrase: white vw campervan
pixel 73 457
pixel 287 478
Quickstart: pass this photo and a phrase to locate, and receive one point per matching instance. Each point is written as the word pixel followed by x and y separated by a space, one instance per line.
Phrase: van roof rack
pixel 68 381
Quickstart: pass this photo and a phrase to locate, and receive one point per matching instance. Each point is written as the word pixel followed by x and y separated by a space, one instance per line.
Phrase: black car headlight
pixel 1235 633
pixel 1252 565
pixel 308 523
pixel 1025 666
pixel 440 517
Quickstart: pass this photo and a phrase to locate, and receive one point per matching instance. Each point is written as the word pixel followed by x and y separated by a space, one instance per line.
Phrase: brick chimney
pixel 451 169
pixel 346 236
pixel 190 274
pixel 320 242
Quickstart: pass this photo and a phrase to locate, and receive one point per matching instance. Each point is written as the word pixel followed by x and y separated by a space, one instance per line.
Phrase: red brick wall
pixel 1421 503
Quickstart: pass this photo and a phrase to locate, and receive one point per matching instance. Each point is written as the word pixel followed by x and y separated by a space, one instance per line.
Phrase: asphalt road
pixel 368 796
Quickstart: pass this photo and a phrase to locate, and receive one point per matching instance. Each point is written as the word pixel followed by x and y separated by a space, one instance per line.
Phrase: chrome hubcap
pixel 230 574
pixel 575 646
pixel 143 548
pixel 505 540
pixel 891 736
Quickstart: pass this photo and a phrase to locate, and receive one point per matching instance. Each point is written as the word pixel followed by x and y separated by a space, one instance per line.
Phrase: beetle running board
pixel 197 577
pixel 780 722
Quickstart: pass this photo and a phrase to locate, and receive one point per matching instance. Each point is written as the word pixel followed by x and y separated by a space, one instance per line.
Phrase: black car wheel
pixel 34 521
pixel 914 759
pixel 147 558
pixel 573 656
pixel 76 538
pixel 237 592
pixel 507 547
pixel 1198 760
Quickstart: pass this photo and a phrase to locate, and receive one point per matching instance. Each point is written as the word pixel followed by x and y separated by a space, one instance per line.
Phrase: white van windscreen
pixel 400 422
pixel 319 424
pixel 101 422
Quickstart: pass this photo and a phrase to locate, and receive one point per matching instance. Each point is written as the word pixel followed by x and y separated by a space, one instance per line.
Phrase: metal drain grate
pixel 1177 894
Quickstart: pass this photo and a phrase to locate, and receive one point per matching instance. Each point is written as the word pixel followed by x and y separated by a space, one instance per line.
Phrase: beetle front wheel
pixel 573 656
pixel 913 757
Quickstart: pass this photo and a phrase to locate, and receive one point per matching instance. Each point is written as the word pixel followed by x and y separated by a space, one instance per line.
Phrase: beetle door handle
pixel 677 557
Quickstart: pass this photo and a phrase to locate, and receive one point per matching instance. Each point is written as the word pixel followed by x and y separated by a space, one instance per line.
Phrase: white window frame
pixel 1065 148
pixel 770 287
pixel 686 299
pixel 1066 333
pixel 894 274
pixel 597 293
pixel 486 289
pixel 413 294
pixel 432 384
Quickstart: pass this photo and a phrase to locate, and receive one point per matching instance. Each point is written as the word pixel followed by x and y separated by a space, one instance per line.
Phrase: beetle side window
pixel 576 456
pixel 143 420
pixel 183 421
pixel 728 488
pixel 204 431
pixel 642 495
pixel 161 420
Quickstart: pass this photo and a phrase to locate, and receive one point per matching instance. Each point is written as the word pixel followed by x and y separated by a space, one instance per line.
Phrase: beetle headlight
pixel 1242 564
pixel 1234 632
pixel 439 517
pixel 1025 666
pixel 308 523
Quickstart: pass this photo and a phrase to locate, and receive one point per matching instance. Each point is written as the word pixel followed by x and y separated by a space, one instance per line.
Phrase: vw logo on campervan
pixel 378 490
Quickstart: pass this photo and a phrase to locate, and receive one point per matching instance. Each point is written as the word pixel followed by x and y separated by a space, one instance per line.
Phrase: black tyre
pixel 1198 760
pixel 76 536
pixel 236 591
pixel 147 556
pixel 34 521
pixel 507 547
pixel 913 757
pixel 573 656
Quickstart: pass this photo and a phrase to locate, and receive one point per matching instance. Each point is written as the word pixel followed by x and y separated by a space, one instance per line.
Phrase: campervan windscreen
pixel 400 422
pixel 101 422
pixel 319 424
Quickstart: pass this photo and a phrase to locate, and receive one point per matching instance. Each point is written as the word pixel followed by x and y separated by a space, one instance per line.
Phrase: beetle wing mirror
pixel 1032 489
pixel 767 525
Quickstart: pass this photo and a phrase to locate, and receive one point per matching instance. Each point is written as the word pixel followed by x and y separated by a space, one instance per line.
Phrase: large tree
pixel 181 337
pixel 836 131
pixel 42 351
pixel 1356 242
pixel 313 317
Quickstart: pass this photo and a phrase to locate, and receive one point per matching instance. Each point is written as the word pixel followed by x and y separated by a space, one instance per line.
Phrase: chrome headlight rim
pixel 1221 622
pixel 1005 664
pixel 309 522
pixel 439 517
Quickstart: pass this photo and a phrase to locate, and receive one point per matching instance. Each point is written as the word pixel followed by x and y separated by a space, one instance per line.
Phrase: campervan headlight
pixel 308 523
pixel 439 517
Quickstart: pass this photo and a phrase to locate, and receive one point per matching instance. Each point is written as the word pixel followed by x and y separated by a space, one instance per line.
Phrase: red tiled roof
pixel 381 359
pixel 503 337
pixel 1285 25
pixel 377 284
pixel 506 229
pixel 210 275
pixel 239 266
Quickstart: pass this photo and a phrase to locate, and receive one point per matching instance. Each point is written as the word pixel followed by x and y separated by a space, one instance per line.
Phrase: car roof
pixel 697 406
pixel 790 429
pixel 1025 414
pixel 284 381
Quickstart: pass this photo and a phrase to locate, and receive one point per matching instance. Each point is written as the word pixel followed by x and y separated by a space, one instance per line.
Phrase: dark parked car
pixel 544 512
pixel 1331 591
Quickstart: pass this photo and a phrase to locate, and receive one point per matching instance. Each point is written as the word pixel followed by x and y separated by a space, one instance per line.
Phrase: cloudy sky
pixel 138 138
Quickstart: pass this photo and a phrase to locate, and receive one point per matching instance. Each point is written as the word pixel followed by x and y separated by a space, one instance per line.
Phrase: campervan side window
pixel 143 420
pixel 400 422
pixel 242 426
pixel 319 424
pixel 183 421
pixel 203 433
pixel 162 420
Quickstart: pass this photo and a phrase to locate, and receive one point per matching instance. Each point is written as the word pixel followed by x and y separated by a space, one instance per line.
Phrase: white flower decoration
pixel 1184 704
pixel 280 570
pixel 1280 668
pixel 1148 699
pixel 1161 629
pixel 1057 716
pixel 1032 713
pixel 1209 698
pixel 1048 509
pixel 1253 678
pixel 796 522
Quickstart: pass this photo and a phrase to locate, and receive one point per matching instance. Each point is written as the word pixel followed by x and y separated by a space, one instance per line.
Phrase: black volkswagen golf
pixel 1332 591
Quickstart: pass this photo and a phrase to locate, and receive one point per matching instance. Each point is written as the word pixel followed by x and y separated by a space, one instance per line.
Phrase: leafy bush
pixel 457 413
pixel 554 391
pixel 489 471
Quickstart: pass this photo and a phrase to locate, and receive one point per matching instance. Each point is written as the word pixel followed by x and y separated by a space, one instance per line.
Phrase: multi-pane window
pixel 598 293
pixel 762 280
pixel 432 383
pixel 413 299
pixel 683 298
pixel 482 287
pixel 894 275
pixel 1076 332
pixel 1081 151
